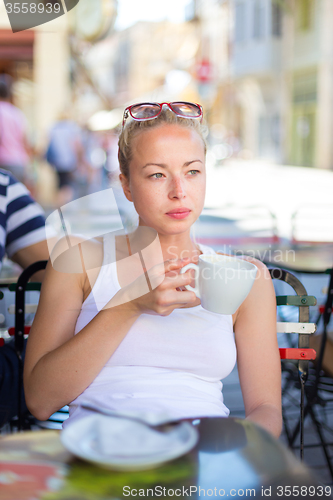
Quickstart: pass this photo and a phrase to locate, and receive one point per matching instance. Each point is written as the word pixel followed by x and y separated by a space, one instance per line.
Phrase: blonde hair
pixel 133 128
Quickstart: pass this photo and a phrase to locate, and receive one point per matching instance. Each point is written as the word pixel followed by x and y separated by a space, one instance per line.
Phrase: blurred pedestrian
pixel 112 163
pixel 65 153
pixel 14 148
pixel 90 172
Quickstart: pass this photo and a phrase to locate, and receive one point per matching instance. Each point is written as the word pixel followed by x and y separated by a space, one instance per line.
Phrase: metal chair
pixel 321 383
pixel 312 229
pixel 319 386
pixel 19 331
pixel 302 353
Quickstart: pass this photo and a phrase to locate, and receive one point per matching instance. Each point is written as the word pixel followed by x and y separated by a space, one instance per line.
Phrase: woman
pixel 95 339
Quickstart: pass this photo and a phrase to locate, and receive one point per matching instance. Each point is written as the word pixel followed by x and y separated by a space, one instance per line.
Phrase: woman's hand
pixel 166 296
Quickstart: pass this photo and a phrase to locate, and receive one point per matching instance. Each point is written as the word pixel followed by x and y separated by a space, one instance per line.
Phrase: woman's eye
pixel 192 172
pixel 157 176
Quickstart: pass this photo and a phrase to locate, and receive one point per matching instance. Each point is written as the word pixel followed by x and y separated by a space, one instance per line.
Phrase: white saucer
pixel 122 444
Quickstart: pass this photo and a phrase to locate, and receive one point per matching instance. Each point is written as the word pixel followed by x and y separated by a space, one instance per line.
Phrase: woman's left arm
pixel 258 357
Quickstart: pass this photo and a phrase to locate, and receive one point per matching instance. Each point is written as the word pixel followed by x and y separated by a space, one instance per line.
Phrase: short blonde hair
pixel 133 128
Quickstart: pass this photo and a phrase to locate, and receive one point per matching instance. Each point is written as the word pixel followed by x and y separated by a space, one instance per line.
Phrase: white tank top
pixel 168 364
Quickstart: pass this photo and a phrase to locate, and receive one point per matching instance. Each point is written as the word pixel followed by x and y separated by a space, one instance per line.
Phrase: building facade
pixel 282 73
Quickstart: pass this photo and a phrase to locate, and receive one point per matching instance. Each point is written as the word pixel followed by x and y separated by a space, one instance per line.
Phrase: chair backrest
pixel 301 300
pixel 20 288
pixel 303 328
pixel 325 313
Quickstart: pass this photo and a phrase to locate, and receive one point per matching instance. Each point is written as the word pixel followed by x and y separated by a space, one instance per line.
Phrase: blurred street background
pixel 263 71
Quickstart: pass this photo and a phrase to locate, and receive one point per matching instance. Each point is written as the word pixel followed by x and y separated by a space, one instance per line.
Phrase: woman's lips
pixel 182 213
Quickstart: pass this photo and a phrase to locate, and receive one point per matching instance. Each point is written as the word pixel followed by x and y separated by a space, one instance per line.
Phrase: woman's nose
pixel 177 189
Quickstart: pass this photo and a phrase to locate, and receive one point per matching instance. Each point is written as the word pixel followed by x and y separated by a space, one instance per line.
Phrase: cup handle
pixel 194 289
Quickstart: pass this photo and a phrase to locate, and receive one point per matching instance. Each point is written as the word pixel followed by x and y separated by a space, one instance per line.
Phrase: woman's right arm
pixel 60 365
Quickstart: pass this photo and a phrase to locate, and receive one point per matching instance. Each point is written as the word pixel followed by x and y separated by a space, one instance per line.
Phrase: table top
pixel 232 456
pixel 314 258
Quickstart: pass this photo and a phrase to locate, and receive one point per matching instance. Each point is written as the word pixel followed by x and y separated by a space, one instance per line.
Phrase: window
pixel 121 66
pixel 305 88
pixel 276 19
pixel 269 135
pixel 258 20
pixel 305 13
pixel 240 22
pixel 190 11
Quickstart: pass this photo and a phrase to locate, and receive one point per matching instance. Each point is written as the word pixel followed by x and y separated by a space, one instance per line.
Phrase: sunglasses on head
pixel 150 110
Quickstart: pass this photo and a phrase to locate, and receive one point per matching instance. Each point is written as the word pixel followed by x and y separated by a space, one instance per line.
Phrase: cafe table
pixel 315 258
pixel 233 458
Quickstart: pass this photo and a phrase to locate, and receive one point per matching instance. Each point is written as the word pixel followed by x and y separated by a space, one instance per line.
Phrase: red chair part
pixel 11 330
pixel 297 354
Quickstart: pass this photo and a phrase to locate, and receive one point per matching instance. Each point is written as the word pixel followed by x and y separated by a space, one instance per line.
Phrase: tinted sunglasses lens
pixel 188 109
pixel 144 111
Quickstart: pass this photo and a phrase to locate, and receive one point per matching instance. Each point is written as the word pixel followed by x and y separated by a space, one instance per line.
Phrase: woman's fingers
pixel 173 265
pixel 168 266
pixel 172 299
pixel 179 299
pixel 158 273
pixel 165 279
pixel 178 281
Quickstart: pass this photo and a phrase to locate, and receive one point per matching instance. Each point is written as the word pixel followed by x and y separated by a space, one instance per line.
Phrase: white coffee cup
pixel 222 282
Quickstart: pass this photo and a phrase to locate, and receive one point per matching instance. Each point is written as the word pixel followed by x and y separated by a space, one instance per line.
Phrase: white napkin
pixel 119 443
pixel 121 437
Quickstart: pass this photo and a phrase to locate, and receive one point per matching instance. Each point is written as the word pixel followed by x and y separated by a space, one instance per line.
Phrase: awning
pixel 16 46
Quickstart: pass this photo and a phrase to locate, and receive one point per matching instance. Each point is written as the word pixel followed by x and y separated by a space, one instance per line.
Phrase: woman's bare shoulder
pixel 75 254
pixel 75 262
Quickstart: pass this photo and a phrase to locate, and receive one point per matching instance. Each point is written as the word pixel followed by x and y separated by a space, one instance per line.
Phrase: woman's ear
pixel 125 185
